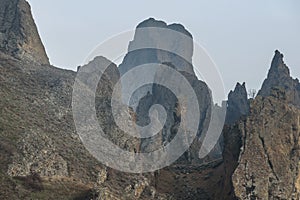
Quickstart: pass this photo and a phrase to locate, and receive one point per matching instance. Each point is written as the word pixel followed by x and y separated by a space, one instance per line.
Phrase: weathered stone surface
pixel 38 155
pixel 18 33
pixel 167 44
pixel 279 77
pixel 261 150
pixel 38 135
pixel 269 160
pixel 178 57
pixel 138 53
pixel 37 132
pixel 237 104
pixel 163 96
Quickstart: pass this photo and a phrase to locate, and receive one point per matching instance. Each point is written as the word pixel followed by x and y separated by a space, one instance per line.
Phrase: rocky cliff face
pixel 170 45
pixel 279 77
pixel 163 96
pixel 156 42
pixel 237 104
pixel 269 160
pixel 262 149
pixel 152 44
pixel 18 34
pixel 40 151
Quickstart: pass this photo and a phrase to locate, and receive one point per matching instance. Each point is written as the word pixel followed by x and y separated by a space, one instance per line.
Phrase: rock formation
pixel 269 161
pixel 156 42
pixel 18 34
pixel 40 151
pixel 237 104
pixel 262 149
pixel 279 77
pixel 152 44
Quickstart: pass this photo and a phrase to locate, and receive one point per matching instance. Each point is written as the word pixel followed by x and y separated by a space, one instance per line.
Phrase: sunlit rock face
pixel 279 77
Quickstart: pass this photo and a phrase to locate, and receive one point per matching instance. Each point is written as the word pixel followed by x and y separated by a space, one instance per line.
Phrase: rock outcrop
pixel 172 46
pixel 18 33
pixel 237 104
pixel 269 160
pixel 261 151
pixel 163 96
pixel 156 42
pixel 279 77
pixel 40 151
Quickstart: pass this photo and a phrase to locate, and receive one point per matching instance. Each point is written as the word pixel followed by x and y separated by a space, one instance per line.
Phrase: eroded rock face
pixel 38 135
pixel 18 33
pixel 156 42
pixel 175 50
pixel 164 47
pixel 269 160
pixel 163 96
pixel 37 131
pixel 279 77
pixel 237 104
pixel 262 148
pixel 38 155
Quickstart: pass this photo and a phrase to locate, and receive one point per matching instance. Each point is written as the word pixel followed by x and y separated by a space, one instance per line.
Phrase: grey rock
pixel 269 159
pixel 279 77
pixel 18 33
pixel 237 104
pixel 158 46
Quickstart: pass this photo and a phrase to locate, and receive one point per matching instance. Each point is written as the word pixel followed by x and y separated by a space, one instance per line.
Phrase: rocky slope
pixel 42 157
pixel 38 137
pixel 269 161
pixel 267 164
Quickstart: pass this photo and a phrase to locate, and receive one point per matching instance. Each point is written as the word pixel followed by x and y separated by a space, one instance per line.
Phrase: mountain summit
pixel 279 78
pixel 43 157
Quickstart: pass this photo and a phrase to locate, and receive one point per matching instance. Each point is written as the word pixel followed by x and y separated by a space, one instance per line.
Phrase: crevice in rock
pixel 267 155
pixel 244 138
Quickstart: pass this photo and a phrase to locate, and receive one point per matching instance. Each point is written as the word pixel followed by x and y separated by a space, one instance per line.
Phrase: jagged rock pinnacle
pixel 278 67
pixel 238 104
pixel 18 33
pixel 279 79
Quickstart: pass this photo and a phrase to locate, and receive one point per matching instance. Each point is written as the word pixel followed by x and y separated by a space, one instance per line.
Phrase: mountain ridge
pixel 40 151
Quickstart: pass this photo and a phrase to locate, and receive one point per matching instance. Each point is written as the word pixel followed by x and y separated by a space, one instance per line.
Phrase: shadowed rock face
pixel 18 33
pixel 166 44
pixel 279 77
pixel 163 96
pixel 179 44
pixel 237 104
pixel 37 131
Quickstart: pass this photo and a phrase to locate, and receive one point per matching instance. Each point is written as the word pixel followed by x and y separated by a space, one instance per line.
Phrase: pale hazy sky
pixel 240 36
